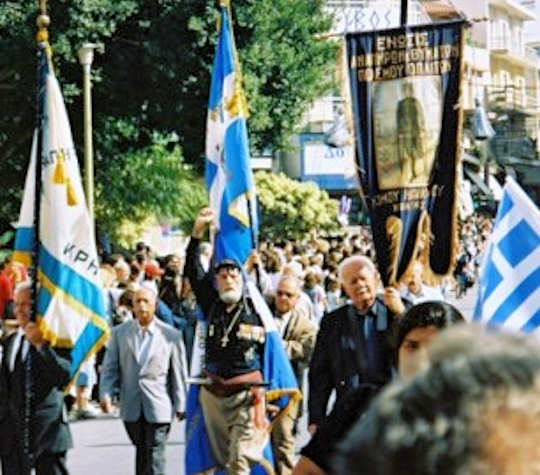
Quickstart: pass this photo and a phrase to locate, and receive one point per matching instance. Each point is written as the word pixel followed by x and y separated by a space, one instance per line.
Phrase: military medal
pixel 249 355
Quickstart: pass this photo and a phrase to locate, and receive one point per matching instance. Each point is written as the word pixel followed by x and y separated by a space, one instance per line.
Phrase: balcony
pixel 507 44
pixel 512 98
pixel 514 51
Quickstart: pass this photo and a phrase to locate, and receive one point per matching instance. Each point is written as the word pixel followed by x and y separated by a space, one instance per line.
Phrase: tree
pixel 143 182
pixel 290 208
pixel 154 75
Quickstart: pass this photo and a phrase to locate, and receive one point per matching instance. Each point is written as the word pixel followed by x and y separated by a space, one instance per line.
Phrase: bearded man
pixel 233 404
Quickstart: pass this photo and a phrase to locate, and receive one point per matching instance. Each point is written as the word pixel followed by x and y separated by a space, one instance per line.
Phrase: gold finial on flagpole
pixel 43 21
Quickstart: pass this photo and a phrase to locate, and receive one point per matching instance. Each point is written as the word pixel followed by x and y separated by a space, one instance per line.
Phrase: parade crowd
pixel 338 325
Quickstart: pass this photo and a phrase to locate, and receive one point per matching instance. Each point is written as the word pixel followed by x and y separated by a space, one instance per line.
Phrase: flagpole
pixel 227 4
pixel 253 242
pixel 404 12
pixel 42 37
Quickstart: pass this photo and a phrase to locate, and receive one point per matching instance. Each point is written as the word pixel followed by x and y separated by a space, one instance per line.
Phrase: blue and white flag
pixel 509 293
pixel 70 304
pixel 229 178
pixel 230 184
pixel 282 391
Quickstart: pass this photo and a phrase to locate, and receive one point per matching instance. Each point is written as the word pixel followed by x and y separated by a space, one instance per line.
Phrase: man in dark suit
pixel 49 434
pixel 353 348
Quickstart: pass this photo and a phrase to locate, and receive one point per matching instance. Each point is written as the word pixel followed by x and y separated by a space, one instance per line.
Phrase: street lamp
pixel 86 56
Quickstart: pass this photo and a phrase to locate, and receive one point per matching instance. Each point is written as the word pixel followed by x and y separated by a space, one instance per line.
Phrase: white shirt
pixel 144 339
pixel 426 294
pixel 15 345
pixel 282 321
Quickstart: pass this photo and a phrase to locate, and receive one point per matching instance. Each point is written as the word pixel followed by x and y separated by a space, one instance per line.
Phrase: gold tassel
pixel 71 195
pixel 394 227
pixel 60 175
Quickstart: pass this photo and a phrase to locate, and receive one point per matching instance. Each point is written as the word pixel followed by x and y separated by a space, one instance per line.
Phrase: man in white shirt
pixel 416 291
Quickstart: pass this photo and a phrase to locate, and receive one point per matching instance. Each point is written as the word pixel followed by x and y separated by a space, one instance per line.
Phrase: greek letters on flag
pixel 229 179
pixel 70 303
pixel 405 91
pixel 509 293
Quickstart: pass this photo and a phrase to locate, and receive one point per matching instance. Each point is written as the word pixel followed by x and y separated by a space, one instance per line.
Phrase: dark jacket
pixel 235 340
pixel 340 361
pixel 48 421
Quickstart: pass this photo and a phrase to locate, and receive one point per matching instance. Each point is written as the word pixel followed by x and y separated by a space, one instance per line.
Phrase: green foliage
pixel 142 182
pixel 6 245
pixel 154 75
pixel 291 208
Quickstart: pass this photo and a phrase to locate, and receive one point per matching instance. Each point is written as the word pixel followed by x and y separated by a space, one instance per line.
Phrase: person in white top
pixel 416 291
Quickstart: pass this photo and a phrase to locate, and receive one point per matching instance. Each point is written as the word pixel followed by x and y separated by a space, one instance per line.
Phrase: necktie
pixel 145 343
pixel 369 338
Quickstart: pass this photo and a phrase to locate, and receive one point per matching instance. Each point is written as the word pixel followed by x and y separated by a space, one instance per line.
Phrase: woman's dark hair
pixel 432 313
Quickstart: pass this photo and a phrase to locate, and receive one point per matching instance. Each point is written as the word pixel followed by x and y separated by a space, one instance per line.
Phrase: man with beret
pixel 233 403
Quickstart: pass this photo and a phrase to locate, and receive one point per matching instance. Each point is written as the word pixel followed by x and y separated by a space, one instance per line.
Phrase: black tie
pixel 19 360
pixel 369 335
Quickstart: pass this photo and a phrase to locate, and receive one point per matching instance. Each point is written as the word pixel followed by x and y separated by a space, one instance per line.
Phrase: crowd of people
pixel 338 324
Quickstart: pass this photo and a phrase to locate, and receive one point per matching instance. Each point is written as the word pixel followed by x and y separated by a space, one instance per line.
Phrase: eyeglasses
pixel 228 271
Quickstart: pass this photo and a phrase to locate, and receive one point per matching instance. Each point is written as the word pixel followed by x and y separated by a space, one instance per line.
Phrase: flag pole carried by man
pixel 69 304
pixel 238 351
pixel 66 323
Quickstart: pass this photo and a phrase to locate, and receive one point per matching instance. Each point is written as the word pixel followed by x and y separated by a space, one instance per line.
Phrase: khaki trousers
pixel 236 442
pixel 283 442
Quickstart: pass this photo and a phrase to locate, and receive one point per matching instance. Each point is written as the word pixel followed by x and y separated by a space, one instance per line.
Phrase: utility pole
pixel 404 12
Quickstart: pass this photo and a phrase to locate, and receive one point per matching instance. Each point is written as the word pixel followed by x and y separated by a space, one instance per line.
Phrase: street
pixel 102 445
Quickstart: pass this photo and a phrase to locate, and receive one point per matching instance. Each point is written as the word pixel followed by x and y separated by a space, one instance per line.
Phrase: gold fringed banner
pixel 405 88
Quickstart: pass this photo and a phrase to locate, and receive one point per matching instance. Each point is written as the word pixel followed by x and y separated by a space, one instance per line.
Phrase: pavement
pixel 102 447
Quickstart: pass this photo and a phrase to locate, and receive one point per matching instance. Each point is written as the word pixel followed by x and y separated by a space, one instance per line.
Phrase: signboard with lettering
pixel 332 168
pixel 405 90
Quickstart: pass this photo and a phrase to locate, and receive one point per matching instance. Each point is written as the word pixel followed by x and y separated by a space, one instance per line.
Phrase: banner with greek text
pixel 70 303
pixel 405 94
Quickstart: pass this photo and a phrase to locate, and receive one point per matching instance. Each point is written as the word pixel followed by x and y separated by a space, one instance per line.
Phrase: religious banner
pixel 405 95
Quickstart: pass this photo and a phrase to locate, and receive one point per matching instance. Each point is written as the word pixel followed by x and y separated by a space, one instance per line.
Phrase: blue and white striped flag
pixel 230 184
pixel 509 293
pixel 70 304
pixel 229 178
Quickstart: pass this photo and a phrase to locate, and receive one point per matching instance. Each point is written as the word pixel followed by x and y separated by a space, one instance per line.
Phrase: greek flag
pixel 228 173
pixel 281 391
pixel 509 293
pixel 70 303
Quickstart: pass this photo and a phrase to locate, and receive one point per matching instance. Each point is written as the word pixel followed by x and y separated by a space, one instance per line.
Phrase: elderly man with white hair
pixel 233 404
pixel 353 348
